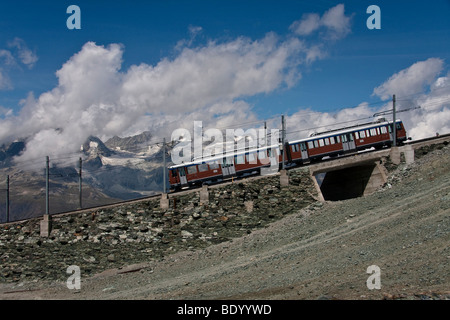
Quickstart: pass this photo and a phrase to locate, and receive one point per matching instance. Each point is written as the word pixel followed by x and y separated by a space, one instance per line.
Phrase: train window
pixel 213 165
pixel 356 135
pixel 344 138
pixel 295 147
pixel 310 145
pixel 239 159
pixel 327 141
pixel 174 173
pixel 203 167
pixel 182 172
pixel 362 134
pixel 316 144
pixel 338 139
pixel 192 169
pixel 383 130
pixel 378 131
pixel 373 132
pixel 251 157
pixel 367 133
pixel 350 136
pixel 399 126
pixel 261 154
pixel 321 143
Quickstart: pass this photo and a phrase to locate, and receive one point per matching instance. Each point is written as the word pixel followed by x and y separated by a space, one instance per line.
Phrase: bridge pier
pixel 46 226
pixel 164 202
pixel 409 154
pixel 396 152
pixel 204 195
pixel 395 155
pixel 284 178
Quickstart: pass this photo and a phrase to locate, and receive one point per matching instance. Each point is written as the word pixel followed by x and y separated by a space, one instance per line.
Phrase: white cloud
pixel 307 25
pixel 306 121
pixel 8 60
pixel 410 80
pixel 419 85
pixel 5 83
pixel 26 56
pixel 5 112
pixel 208 83
pixel 334 21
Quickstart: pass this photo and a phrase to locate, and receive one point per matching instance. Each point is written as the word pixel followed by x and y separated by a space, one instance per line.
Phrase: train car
pixel 218 168
pixel 337 142
pixel 332 143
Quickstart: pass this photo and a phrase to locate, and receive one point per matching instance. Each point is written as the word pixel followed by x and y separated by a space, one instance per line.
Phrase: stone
pixel 186 234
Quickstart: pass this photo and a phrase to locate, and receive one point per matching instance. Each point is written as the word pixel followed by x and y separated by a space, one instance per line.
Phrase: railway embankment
pixel 142 231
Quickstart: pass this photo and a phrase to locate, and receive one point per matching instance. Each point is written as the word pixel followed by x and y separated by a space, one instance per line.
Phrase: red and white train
pixel 326 144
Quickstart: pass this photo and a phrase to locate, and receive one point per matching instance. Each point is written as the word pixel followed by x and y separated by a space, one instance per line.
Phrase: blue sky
pixel 343 74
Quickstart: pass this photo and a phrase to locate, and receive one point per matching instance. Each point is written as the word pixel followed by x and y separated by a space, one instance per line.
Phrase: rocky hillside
pixel 289 247
pixel 100 240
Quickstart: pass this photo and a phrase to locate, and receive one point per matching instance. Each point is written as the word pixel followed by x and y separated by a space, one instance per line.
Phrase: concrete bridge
pixel 362 173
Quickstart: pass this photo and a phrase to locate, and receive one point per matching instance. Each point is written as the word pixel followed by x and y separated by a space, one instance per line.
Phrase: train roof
pixel 321 135
pixel 337 132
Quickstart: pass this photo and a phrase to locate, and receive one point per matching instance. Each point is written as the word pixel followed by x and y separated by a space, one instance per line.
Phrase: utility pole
pixel 283 137
pixel 164 166
pixel 46 184
pixel 80 203
pixel 266 142
pixel 7 198
pixel 394 127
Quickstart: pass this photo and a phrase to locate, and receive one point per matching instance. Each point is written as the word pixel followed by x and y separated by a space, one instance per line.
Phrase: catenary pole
pixel 164 166
pixel 265 134
pixel 7 198
pixel 46 185
pixel 394 127
pixel 80 188
pixel 283 131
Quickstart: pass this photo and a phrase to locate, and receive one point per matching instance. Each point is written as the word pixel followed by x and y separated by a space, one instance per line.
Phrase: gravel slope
pixel 320 252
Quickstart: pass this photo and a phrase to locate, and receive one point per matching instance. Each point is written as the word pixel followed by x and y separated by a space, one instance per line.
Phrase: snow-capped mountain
pixel 118 169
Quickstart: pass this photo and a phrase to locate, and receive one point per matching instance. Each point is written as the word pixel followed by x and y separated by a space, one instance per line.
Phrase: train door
pixel 183 179
pixel 274 156
pixel 348 143
pixel 228 168
pixel 391 135
pixel 303 150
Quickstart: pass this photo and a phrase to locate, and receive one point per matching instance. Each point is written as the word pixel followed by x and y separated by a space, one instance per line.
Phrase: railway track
pixel 414 143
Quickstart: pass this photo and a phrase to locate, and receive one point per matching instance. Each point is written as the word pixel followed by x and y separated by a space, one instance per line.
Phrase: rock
pixel 186 234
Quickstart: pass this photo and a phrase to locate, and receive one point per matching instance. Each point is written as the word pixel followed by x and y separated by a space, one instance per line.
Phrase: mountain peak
pixel 133 143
